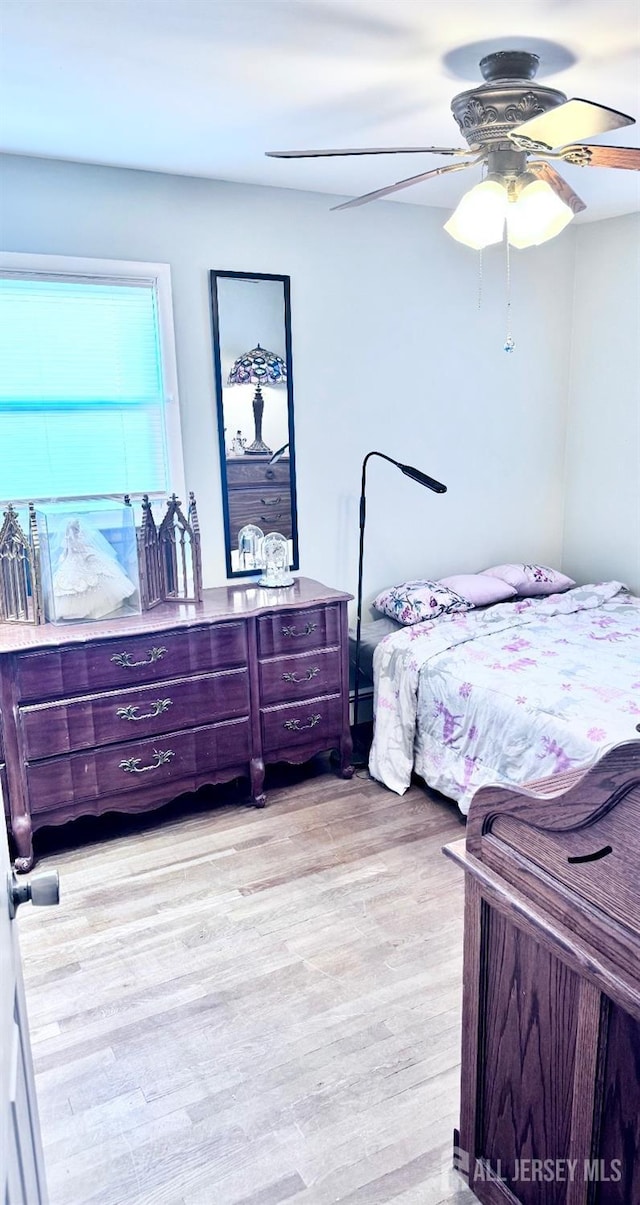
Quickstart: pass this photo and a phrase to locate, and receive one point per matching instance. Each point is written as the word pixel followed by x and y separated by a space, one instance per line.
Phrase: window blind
pixel 81 387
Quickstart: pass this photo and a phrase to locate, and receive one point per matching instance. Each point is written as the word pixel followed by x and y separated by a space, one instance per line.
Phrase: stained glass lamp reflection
pixel 258 367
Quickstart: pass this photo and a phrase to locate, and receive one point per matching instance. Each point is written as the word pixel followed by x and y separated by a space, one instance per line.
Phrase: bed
pixel 507 693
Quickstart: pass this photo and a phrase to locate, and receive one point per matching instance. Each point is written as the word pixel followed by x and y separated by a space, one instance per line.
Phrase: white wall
pixel 390 351
pixel 602 504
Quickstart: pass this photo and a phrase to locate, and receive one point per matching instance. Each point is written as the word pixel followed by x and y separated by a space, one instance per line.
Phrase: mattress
pixel 370 636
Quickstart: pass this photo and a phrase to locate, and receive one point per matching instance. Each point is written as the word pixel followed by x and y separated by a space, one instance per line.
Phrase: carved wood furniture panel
pixel 550 1110
pixel 127 714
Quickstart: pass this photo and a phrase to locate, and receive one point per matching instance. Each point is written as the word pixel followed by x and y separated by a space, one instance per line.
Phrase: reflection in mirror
pixel 252 355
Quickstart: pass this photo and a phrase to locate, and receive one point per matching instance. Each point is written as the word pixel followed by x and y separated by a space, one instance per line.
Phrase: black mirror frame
pixel 214 276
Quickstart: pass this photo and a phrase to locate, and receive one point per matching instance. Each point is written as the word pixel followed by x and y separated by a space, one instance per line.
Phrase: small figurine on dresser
pixel 88 582
pixel 275 561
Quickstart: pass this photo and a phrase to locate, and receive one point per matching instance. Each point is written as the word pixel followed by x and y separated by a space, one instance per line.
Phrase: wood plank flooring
pixel 243 1007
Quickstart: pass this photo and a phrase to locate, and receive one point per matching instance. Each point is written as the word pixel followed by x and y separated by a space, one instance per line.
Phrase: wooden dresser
pixel 126 714
pixel 259 493
pixel 550 1111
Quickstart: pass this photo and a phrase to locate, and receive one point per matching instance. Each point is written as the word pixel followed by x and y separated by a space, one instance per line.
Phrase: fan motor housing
pixel 487 114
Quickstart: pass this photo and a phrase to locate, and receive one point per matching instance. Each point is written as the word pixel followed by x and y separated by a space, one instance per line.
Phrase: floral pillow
pixel 412 602
pixel 529 580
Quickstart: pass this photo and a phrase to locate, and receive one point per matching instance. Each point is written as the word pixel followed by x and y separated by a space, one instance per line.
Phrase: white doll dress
pixel 88 583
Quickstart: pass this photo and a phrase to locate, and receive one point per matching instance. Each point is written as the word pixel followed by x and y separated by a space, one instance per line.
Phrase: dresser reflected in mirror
pixel 251 322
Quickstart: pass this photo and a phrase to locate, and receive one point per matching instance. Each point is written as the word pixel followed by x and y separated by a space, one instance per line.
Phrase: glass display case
pixel 89 560
pixel 250 547
pixel 275 561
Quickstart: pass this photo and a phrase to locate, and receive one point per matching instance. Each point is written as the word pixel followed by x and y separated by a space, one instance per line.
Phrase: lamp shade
pixel 537 215
pixel 422 478
pixel 258 367
pixel 277 455
pixel 479 219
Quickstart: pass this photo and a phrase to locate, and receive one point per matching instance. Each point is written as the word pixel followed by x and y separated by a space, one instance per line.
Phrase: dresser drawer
pixel 52 728
pixel 313 722
pixel 297 631
pixel 251 470
pixel 80 669
pixel 283 679
pixel 269 509
pixel 82 777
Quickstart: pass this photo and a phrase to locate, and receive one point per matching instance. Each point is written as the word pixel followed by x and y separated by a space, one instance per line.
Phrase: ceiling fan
pixel 515 127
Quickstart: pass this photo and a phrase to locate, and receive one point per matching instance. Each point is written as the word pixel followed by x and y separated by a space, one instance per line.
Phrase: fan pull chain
pixel 509 342
pixel 480 279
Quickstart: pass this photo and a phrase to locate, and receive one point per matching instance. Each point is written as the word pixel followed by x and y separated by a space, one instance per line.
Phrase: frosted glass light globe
pixel 537 215
pixel 479 219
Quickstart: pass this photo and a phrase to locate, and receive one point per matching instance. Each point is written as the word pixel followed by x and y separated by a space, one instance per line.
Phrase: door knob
pixel 42 889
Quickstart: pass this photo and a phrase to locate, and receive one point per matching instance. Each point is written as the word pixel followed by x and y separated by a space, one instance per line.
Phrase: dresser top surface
pixel 224 602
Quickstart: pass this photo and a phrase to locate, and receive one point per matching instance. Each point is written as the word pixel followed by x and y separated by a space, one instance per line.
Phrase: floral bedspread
pixel 510 693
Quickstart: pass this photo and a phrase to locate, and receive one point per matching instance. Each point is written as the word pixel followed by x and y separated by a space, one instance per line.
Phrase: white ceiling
pixel 204 87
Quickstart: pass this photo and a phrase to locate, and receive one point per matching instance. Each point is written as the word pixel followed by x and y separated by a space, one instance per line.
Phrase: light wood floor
pixel 239 1006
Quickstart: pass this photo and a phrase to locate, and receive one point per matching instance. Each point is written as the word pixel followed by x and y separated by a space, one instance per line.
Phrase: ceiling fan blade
pixel 544 171
pixel 585 155
pixel 385 192
pixel 574 119
pixel 380 150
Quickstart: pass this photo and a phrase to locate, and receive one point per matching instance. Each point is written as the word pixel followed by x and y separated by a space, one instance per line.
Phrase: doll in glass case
pixel 87 581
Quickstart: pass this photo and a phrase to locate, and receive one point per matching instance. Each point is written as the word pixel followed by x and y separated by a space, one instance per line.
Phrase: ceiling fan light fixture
pixel 478 221
pixel 536 215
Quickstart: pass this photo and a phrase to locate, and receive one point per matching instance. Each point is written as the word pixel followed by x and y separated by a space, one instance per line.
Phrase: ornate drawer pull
pixel 271 501
pixel 131 765
pixel 157 708
pixel 311 673
pixel 124 659
pixel 296 726
pixel 308 629
pixel 270 518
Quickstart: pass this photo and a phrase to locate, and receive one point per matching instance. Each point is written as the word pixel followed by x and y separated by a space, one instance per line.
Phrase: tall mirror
pixel 254 387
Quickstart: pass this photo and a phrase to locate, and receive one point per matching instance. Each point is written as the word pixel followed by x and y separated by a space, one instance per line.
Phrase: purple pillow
pixel 412 602
pixel 480 589
pixel 529 580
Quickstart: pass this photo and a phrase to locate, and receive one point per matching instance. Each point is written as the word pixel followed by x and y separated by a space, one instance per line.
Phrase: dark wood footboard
pixel 550 1102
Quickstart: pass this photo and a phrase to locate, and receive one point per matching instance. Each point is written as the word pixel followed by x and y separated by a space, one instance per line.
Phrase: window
pixel 88 399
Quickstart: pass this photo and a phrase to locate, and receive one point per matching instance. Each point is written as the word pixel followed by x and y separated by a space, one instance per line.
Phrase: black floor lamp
pixel 422 479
